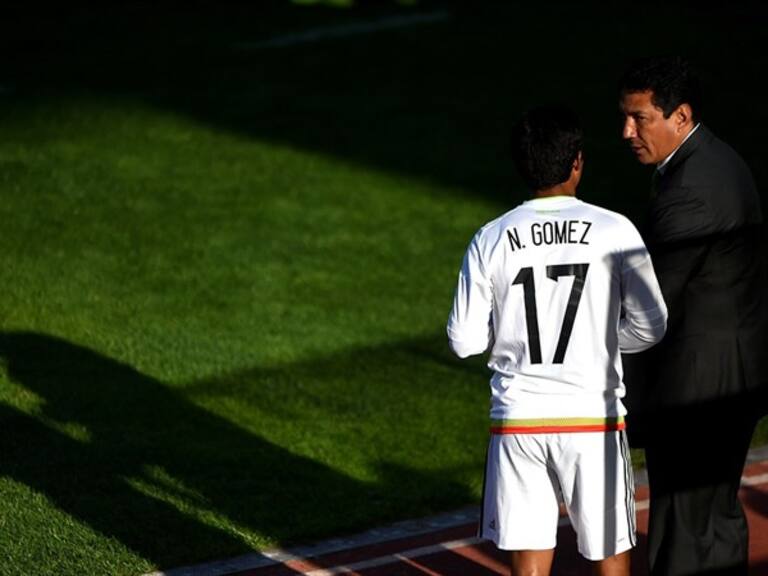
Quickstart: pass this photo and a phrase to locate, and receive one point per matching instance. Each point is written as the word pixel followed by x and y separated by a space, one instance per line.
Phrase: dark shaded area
pixel 135 422
pixel 694 472
pixel 432 101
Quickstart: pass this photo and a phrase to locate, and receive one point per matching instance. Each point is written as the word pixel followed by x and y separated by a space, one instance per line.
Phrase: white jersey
pixel 557 288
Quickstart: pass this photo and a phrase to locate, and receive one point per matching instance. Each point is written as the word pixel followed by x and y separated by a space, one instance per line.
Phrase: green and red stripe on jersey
pixel 553 425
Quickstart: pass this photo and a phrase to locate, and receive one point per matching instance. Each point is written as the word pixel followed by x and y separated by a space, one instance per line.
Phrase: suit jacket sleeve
pixel 679 226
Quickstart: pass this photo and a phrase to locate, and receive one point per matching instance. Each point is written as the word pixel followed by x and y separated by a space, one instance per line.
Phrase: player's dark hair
pixel 545 143
pixel 671 79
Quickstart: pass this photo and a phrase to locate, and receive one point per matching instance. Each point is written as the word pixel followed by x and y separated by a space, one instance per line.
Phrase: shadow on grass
pixel 136 425
pixel 432 102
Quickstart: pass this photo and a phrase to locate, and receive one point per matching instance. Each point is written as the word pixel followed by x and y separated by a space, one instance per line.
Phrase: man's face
pixel 651 136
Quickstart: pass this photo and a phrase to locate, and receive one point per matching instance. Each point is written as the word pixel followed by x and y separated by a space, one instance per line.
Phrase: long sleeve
pixel 470 329
pixel 644 321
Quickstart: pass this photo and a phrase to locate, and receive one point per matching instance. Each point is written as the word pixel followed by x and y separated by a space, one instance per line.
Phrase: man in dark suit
pixel 703 387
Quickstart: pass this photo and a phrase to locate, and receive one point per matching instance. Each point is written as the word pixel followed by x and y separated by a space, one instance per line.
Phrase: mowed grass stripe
pixel 215 352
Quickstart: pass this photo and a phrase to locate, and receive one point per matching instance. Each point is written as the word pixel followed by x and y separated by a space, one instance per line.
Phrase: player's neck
pixel 566 188
pixel 562 189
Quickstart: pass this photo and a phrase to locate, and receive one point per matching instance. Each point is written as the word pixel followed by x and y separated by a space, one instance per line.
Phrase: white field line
pixel 419 552
pixel 278 556
pixel 392 558
pixel 352 29
pixel 427 551
pixel 754 480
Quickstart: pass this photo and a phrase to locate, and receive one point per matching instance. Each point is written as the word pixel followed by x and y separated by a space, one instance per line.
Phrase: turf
pixel 226 270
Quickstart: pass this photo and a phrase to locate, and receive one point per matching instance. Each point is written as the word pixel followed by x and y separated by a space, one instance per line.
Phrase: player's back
pixel 551 272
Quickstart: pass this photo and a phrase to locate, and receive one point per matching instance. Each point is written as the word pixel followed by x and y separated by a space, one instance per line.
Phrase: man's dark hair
pixel 545 143
pixel 672 80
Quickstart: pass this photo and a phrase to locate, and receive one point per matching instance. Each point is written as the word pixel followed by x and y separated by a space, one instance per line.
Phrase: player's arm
pixel 470 329
pixel 644 320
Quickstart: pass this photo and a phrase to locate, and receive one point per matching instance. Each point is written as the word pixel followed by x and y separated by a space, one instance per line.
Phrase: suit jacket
pixel 704 233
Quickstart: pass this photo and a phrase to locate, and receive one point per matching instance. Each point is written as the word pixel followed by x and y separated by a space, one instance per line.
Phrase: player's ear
pixel 576 168
pixel 578 163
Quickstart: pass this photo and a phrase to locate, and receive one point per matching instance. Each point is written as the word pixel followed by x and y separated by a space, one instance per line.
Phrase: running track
pixel 446 545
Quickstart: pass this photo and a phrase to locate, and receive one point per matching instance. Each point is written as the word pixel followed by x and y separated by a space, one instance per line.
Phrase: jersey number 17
pixel 554 272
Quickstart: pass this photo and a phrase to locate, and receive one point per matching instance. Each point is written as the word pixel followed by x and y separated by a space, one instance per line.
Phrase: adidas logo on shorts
pixel 492 524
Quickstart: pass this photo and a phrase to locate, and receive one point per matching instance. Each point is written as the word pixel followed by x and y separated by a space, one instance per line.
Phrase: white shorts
pixel 526 472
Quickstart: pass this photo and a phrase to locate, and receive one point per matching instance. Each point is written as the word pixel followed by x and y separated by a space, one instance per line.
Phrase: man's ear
pixel 682 116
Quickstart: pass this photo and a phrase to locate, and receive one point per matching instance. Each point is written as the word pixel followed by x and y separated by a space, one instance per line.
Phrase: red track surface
pixel 417 556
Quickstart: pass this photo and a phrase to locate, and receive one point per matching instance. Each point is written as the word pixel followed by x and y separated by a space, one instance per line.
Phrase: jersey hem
pixel 557 425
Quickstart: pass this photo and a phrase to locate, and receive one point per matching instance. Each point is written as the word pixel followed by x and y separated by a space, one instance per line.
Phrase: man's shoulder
pixel 710 163
pixel 711 190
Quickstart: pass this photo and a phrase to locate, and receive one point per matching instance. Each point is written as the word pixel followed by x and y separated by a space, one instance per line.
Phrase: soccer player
pixel 557 288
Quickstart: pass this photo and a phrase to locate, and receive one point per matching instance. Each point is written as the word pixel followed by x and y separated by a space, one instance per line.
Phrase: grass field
pixel 226 269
